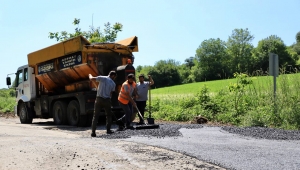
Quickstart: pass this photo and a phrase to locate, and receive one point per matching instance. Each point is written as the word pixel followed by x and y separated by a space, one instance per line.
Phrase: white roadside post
pixel 274 71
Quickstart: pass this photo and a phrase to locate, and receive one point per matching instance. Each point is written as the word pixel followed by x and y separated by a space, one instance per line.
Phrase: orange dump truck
pixel 55 84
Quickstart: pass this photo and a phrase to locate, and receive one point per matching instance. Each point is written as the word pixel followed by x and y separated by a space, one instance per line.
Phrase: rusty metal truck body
pixel 55 84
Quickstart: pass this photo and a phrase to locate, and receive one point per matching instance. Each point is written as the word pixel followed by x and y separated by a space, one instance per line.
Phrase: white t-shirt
pixel 106 86
pixel 142 90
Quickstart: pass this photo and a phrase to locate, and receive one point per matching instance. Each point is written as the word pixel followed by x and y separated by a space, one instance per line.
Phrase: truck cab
pixel 25 84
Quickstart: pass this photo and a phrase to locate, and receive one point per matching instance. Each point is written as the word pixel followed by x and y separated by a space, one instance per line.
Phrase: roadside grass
pixel 242 101
pixel 7 104
pixel 7 100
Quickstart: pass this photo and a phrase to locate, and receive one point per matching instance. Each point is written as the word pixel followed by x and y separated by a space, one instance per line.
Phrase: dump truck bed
pixel 61 65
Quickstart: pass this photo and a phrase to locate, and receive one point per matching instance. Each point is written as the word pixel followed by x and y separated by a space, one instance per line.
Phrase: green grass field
pixel 188 90
pixel 242 101
pixel 261 82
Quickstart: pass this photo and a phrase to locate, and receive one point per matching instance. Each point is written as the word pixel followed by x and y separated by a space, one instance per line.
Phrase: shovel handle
pixel 149 101
pixel 139 113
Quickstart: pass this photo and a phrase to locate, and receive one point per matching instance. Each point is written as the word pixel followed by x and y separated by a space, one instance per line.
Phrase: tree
pixel 184 73
pixel 239 48
pixel 189 62
pixel 298 37
pixel 296 46
pixel 143 70
pixel 139 68
pixel 195 75
pixel 213 60
pixel 294 49
pixel 271 44
pixel 165 73
pixel 293 53
pixel 109 33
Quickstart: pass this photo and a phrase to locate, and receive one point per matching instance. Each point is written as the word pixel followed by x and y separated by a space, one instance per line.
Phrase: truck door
pixel 25 86
pixel 19 84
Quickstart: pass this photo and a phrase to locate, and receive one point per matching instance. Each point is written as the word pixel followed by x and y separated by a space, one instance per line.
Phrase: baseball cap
pixel 111 73
pixel 130 75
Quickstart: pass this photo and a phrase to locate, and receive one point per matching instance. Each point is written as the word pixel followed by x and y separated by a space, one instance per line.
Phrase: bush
pixel 7 104
pixel 187 102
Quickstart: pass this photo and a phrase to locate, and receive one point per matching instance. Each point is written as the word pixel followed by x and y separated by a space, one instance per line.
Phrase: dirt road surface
pixel 46 146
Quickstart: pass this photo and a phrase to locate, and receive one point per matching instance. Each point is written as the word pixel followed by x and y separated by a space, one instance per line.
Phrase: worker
pixel 104 92
pixel 126 102
pixel 142 95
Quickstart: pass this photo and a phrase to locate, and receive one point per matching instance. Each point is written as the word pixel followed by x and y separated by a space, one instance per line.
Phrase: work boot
pixel 109 131
pixel 120 123
pixel 121 128
pixel 128 126
pixel 140 123
pixel 93 134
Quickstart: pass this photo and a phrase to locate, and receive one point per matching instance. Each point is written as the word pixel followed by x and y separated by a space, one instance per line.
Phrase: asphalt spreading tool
pixel 146 125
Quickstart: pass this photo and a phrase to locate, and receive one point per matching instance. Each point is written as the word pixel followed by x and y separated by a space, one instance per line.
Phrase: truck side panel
pixel 65 77
pixel 57 50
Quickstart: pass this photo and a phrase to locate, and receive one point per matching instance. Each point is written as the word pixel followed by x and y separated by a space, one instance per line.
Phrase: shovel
pixel 150 120
pixel 146 125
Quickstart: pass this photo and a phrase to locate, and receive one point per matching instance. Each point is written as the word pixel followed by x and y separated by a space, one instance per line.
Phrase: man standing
pixel 126 102
pixel 104 92
pixel 142 97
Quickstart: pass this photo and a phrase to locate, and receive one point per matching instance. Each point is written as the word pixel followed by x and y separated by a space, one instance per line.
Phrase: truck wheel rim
pixel 59 113
pixel 22 113
pixel 74 114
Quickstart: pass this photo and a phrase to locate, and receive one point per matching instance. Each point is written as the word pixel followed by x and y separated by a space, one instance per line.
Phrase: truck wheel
pixel 60 113
pixel 73 112
pixel 74 117
pixel 25 118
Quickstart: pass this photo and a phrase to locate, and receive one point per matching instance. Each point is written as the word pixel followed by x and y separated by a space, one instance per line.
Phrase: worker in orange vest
pixel 126 102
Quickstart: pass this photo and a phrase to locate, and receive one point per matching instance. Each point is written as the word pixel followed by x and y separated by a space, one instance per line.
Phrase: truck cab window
pixel 19 78
pixel 25 74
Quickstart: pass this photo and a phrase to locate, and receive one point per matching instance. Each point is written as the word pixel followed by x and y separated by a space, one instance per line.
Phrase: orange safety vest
pixel 123 98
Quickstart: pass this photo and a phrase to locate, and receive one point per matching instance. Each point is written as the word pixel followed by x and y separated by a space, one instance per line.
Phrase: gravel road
pixel 172 146
pixel 230 147
pixel 46 146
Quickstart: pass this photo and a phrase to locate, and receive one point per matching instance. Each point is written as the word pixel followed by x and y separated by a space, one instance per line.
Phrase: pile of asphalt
pixel 172 130
pixel 264 133
pixel 164 130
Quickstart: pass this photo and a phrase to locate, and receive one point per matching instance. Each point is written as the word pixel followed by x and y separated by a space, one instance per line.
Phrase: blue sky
pixel 170 29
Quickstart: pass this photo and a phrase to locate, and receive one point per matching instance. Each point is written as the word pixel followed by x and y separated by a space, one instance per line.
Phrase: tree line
pixel 217 59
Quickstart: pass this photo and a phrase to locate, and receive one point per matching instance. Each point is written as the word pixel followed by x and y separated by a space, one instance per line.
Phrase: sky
pixel 166 29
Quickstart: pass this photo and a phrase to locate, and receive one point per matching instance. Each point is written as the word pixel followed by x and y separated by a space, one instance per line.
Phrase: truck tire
pixel 73 112
pixel 60 113
pixel 74 117
pixel 25 117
